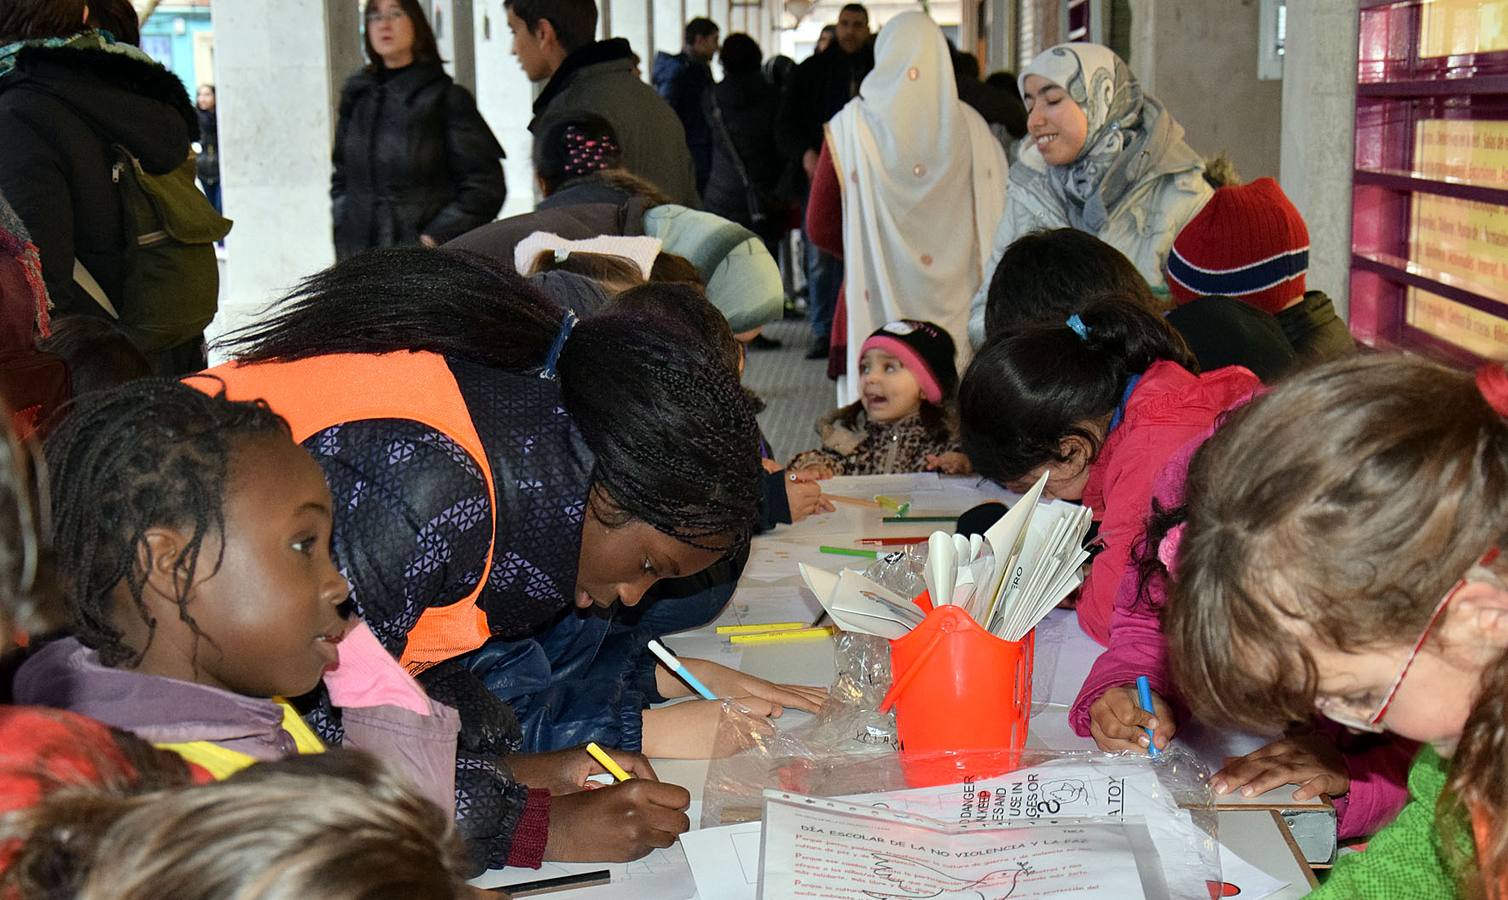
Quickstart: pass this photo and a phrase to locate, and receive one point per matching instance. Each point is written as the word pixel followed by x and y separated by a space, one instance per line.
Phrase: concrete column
pixel 452 22
pixel 505 98
pixel 280 65
pixel 1203 67
pixel 1319 126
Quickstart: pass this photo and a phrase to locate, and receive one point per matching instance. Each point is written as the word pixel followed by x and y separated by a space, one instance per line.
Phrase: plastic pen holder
pixel 958 688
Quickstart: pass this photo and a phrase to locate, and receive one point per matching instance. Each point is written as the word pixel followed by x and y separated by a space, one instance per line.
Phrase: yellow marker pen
pixel 607 762
pixel 776 637
pixel 761 629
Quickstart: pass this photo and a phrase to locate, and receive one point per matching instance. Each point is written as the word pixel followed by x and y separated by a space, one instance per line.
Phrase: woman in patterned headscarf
pixel 1100 156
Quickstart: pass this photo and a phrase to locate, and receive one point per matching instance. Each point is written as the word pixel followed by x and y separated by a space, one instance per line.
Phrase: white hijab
pixel 923 184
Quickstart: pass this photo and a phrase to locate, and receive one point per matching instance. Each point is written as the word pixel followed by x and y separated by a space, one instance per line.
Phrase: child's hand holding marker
pixel 723 682
pixel 806 498
pixel 1117 722
pixel 566 771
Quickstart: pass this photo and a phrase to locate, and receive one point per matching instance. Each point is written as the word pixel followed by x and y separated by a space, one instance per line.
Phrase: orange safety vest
pixel 323 391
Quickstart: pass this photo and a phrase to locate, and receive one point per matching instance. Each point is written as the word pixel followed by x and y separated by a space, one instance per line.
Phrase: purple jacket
pixel 1378 768
pixel 67 675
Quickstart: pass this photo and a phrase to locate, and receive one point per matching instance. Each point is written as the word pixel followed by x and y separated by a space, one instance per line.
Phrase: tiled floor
pixel 795 390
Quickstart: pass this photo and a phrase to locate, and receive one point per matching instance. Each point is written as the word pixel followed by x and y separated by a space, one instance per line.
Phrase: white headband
pixel 641 251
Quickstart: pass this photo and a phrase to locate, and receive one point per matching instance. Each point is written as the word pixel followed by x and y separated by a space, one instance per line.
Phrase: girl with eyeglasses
pixel 1339 555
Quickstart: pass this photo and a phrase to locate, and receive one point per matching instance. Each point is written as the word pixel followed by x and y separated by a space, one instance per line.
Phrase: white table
pixel 771 590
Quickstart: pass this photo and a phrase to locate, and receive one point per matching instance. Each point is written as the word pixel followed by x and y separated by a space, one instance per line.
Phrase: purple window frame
pixel 1396 88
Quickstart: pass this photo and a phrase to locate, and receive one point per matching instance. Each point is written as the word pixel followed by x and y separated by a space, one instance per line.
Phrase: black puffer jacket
pixel 748 105
pixel 412 157
pixel 61 109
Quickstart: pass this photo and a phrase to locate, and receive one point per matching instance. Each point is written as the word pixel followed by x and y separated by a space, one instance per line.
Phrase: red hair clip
pixel 1492 381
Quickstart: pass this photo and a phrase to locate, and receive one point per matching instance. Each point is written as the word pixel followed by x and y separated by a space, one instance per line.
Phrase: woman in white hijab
pixel 1100 156
pixel 922 184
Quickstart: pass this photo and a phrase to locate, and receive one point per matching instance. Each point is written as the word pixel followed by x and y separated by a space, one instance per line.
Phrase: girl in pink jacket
pixel 1365 775
pixel 1099 402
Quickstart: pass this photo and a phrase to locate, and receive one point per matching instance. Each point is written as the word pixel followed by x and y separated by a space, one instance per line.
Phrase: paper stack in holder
pixel 961 653
pixel 1006 581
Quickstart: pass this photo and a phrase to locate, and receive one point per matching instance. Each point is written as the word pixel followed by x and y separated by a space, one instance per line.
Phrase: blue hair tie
pixel 553 357
pixel 1078 326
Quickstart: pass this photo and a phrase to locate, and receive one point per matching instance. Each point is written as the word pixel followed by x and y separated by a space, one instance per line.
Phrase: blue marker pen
pixel 679 668
pixel 1144 698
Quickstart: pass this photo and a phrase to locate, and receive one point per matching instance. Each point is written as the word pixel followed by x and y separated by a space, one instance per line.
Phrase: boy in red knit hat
pixel 1250 243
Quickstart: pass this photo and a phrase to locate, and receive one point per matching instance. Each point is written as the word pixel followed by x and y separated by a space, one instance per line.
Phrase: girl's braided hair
pixel 674 436
pixel 149 453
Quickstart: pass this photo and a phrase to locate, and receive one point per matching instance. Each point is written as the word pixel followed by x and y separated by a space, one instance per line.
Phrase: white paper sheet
pixel 662 874
pixel 1070 789
pixel 829 849
pixel 759 605
pixel 1244 880
pixel 724 861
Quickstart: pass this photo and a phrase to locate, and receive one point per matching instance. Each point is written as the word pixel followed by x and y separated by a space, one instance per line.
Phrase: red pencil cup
pixel 958 688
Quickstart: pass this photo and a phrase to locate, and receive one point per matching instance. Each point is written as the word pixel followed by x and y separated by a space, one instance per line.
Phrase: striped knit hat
pixel 1249 242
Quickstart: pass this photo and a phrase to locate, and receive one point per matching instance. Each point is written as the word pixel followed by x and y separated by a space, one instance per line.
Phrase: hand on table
pixel 726 682
pixel 566 771
pixel 806 498
pixel 950 463
pixel 1116 721
pixel 707 729
pixel 1310 760
pixel 618 823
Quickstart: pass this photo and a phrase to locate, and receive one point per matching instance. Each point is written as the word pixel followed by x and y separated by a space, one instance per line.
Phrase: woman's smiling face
pixel 1057 125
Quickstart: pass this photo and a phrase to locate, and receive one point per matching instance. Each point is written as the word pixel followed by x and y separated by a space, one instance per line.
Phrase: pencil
pixel 781 637
pixel 1144 700
pixel 905 519
pixel 855 501
pixel 607 762
pixel 679 668
pixel 560 883
pixel 761 629
pixel 849 551
pixel 891 541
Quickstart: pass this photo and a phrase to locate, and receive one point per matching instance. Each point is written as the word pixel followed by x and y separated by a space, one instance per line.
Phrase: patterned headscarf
pixel 1102 85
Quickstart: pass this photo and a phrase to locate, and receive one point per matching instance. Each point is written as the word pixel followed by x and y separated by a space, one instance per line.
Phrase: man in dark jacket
pixel 818 88
pixel 683 80
pixel 553 42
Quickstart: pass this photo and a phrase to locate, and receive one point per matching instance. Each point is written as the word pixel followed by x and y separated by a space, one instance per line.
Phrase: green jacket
pixel 1408 859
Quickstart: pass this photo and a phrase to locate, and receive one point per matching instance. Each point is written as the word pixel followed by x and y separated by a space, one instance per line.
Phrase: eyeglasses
pixel 391 15
pixel 1350 712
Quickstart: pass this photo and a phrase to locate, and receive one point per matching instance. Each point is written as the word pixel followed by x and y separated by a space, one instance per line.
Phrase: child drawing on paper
pixel 919 881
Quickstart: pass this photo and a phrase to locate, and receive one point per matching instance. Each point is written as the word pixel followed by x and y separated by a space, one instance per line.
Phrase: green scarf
pixel 92 39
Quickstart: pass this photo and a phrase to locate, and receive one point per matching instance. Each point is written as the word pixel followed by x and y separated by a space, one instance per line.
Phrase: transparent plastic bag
pixel 1170 793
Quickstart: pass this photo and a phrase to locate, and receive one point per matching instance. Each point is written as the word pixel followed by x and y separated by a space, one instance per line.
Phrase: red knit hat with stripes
pixel 1248 243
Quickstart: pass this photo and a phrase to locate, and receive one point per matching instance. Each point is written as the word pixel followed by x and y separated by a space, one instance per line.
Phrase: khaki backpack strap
pixel 83 279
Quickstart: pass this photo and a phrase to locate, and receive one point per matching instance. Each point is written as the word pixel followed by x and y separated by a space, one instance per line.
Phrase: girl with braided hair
pixel 173 507
pixel 497 468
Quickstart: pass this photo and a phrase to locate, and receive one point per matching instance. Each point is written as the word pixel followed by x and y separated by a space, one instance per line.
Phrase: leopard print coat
pixel 852 445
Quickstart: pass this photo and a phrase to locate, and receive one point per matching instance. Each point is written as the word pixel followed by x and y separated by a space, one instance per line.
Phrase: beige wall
pixel 1199 57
